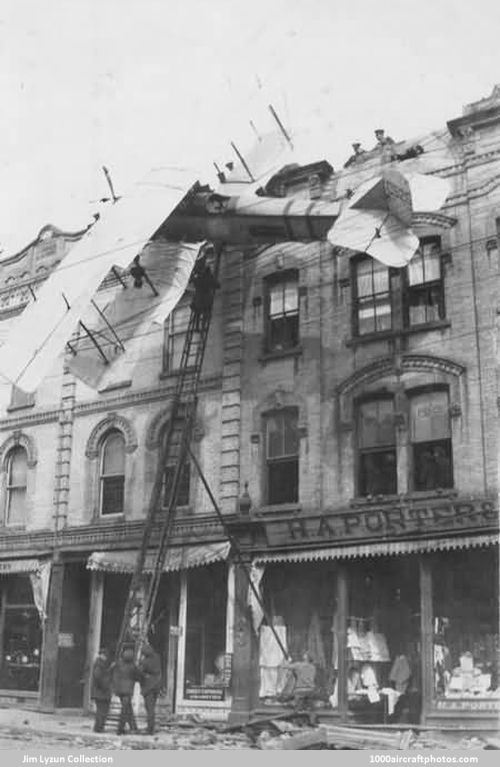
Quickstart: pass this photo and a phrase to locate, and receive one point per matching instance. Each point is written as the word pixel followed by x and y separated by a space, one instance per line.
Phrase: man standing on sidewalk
pixel 125 675
pixel 101 689
pixel 150 675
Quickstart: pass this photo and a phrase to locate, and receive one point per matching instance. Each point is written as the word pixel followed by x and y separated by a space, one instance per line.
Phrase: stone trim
pixel 19 439
pixel 113 421
pixel 385 366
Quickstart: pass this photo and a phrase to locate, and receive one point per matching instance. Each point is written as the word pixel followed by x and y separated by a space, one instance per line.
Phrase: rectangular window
pixel 282 457
pixel 184 485
pixel 377 474
pixel 372 297
pixel 430 436
pixel 175 329
pixel 424 300
pixel 282 322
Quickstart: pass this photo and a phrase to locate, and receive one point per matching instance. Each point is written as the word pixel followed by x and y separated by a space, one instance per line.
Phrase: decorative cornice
pixel 106 535
pixel 24 420
pixel 113 421
pixel 385 366
pixel 19 439
pixel 208 383
pixel 433 219
pixel 142 396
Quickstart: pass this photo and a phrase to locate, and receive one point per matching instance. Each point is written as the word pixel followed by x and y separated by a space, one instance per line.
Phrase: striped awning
pixel 178 558
pixel 386 548
pixel 19 566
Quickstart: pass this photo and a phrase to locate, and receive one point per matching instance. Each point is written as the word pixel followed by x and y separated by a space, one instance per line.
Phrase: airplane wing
pixel 118 236
pixel 377 219
pixel 121 323
pixel 264 159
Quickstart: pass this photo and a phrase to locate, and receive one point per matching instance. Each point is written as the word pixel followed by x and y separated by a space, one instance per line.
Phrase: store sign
pixel 204 693
pixel 386 521
pixel 66 640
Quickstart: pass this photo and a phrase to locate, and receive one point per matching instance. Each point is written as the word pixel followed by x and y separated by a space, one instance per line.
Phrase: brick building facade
pixel 348 426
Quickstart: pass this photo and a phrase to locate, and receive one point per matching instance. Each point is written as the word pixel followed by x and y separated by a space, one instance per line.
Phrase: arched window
pixel 112 473
pixel 15 496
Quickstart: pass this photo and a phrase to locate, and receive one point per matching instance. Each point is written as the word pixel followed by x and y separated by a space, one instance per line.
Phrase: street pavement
pixel 25 730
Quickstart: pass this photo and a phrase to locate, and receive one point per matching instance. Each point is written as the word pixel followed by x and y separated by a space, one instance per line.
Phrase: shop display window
pixel 206 668
pixel 383 641
pixel 22 635
pixel 301 604
pixel 465 625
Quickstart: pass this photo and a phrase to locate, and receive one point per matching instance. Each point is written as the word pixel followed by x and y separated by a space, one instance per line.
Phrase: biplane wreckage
pixel 161 226
pixel 170 229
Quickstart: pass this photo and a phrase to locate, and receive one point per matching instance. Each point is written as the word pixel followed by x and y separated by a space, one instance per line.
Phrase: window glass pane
pixel 276 299
pixel 19 591
pixel 432 465
pixel 380 277
pixel 16 506
pixel 425 266
pixel 204 676
pixel 382 308
pixel 184 484
pixel 114 455
pixel 18 465
pixel 376 423
pixel 22 641
pixel 275 442
pixel 466 657
pixel 366 318
pixel 112 495
pixel 291 434
pixel 416 270
pixel 364 279
pixel 283 481
pixel 378 473
pixel 430 417
pixel 291 298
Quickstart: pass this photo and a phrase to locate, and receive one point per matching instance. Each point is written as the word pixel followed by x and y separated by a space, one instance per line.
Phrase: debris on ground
pixel 287 736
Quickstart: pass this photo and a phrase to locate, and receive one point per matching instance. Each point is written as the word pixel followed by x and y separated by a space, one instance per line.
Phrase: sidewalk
pixel 77 728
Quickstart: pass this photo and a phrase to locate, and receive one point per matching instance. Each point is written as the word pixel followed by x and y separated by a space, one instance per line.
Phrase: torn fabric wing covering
pixel 267 156
pixel 377 219
pixel 130 313
pixel 118 236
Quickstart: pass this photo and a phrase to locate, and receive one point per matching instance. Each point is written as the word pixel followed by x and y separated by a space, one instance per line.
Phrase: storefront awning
pixel 19 566
pixel 386 548
pixel 178 558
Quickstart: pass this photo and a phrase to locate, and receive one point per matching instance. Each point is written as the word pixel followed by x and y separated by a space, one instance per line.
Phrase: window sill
pixel 413 495
pixel 116 386
pixel 15 408
pixel 4 528
pixel 103 518
pixel 386 335
pixel 278 508
pixel 171 374
pixel 296 351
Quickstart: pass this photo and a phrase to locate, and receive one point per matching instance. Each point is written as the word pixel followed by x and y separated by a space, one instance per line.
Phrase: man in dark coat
pixel 150 674
pixel 205 285
pixel 125 675
pixel 101 689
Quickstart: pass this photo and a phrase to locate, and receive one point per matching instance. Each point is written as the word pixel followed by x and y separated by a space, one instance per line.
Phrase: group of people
pixel 119 678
